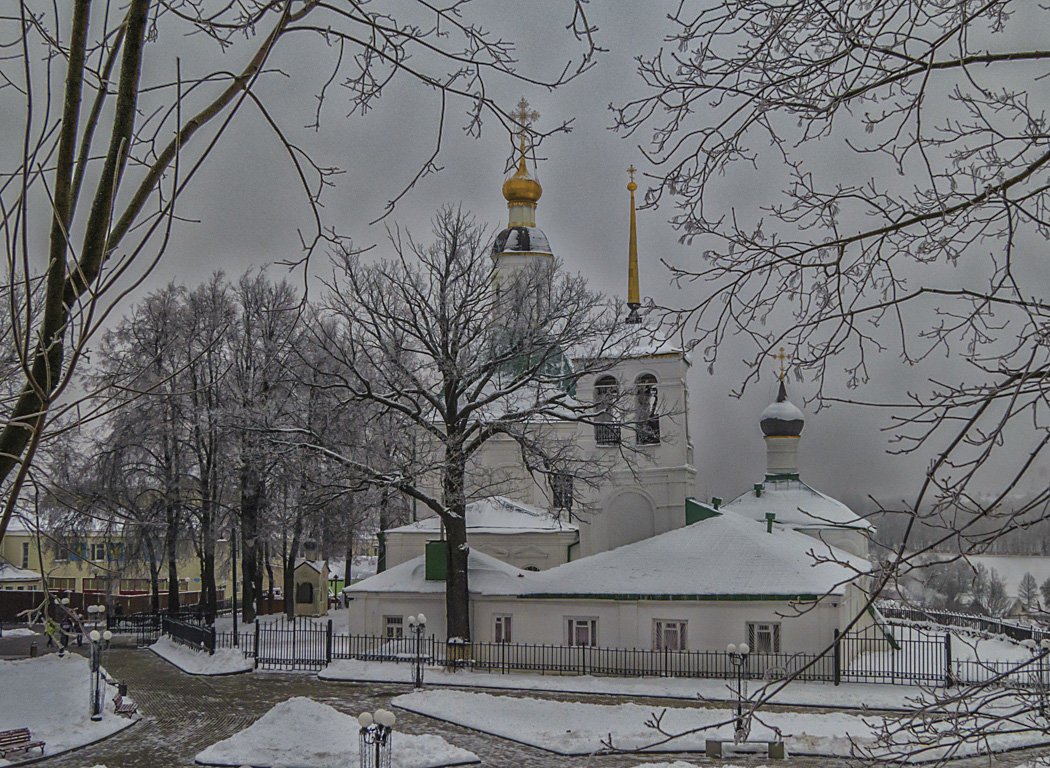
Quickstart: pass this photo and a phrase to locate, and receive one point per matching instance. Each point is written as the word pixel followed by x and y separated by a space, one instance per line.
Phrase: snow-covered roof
pixel 639 341
pixel 317 565
pixel 797 505
pixel 9 572
pixel 486 576
pixel 724 555
pixel 496 514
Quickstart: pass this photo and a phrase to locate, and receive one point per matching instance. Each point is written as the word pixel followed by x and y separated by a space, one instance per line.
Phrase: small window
pixel 394 626
pixel 583 631
pixel 647 418
pixel 764 637
pixel 304 592
pixel 668 635
pixel 501 630
pixel 98 552
pixel 561 490
pixel 606 393
pixel 25 554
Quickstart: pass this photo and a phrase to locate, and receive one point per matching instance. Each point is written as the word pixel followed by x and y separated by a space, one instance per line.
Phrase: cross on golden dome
pixel 631 170
pixel 524 116
pixel 783 357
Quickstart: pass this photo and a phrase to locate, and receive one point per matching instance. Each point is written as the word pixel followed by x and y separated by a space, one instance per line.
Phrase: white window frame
pixel 96 549
pixel 662 628
pixel 588 623
pixel 503 628
pixel 391 623
pixel 763 636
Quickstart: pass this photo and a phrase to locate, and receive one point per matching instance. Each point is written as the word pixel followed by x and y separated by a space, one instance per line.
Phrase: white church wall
pixel 710 625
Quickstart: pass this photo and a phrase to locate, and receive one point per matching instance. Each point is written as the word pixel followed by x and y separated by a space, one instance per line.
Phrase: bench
pixel 125 708
pixel 719 748
pixel 18 740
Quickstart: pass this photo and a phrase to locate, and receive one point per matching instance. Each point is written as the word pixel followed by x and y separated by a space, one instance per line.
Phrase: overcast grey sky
pixel 245 209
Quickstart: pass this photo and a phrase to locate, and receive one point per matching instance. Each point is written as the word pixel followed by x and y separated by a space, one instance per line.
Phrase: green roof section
pixel 695 511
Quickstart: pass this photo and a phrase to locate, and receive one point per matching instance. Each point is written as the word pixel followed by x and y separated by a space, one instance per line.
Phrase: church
pixel 639 563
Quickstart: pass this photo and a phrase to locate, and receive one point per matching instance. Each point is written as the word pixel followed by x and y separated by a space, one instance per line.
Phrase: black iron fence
pixel 986 624
pixel 300 644
pixel 197 636
pixel 907 654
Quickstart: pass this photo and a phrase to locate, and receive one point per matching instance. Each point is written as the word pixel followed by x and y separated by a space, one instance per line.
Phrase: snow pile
pixel 51 695
pixel 572 728
pixel 18 632
pixel 308 734
pixel 225 661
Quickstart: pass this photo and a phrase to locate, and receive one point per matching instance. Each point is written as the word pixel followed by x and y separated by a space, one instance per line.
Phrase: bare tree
pixel 123 136
pixel 1028 592
pixel 433 337
pixel 862 179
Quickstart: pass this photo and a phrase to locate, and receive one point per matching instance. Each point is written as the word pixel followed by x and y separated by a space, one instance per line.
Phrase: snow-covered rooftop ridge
pixel 717 557
pixel 488 576
pixel 796 504
pixel 724 555
pixel 497 514
pixel 9 572
pixel 645 340
pixel 317 565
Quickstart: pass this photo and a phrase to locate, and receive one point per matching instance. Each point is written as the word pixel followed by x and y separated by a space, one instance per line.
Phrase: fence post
pixel 837 657
pixel 256 662
pixel 948 681
pixel 328 643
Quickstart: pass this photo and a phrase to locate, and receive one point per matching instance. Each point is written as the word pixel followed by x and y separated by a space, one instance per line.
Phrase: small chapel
pixel 640 563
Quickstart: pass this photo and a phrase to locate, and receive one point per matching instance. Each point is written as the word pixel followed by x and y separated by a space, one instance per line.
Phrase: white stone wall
pixel 621 624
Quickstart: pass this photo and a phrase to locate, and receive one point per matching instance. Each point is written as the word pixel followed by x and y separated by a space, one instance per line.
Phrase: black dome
pixel 782 418
pixel 521 240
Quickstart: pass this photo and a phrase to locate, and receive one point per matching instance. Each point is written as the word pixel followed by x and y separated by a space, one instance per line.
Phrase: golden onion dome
pixel 521 187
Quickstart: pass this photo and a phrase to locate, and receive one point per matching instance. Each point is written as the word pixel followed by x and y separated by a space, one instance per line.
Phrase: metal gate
pixel 302 643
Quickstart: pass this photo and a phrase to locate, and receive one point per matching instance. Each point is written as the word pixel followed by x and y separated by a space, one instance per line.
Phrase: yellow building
pixel 93 562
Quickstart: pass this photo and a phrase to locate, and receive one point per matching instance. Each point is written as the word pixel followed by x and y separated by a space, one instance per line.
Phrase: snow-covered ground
pixel 572 728
pixel 576 728
pixel 225 661
pixel 847 695
pixel 51 695
pixel 308 734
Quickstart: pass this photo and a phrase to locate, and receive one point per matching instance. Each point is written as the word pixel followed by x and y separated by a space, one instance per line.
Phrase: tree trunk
pixel 171 545
pixel 289 568
pixel 251 500
pixel 457 592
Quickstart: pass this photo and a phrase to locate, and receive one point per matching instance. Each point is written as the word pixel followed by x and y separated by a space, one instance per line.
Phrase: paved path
pixel 183 714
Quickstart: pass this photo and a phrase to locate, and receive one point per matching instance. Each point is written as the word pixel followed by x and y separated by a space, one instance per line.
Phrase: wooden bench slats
pixel 18 740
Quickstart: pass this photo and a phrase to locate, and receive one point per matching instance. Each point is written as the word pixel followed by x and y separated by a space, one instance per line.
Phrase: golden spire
pixel 633 301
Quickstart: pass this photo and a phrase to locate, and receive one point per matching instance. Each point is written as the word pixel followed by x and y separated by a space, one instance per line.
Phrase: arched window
pixel 606 393
pixel 647 417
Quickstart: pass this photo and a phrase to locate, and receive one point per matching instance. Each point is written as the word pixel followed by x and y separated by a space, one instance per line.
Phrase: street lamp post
pixel 738 657
pixel 99 643
pixel 417 625
pixel 376 740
